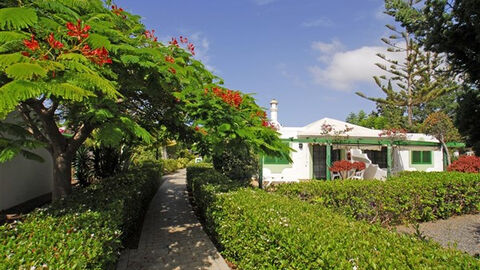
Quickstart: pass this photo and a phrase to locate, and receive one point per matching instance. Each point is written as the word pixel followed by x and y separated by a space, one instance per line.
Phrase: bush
pixel 410 197
pixel 171 165
pixel 237 161
pixel 469 164
pixel 83 231
pixel 196 169
pixel 259 230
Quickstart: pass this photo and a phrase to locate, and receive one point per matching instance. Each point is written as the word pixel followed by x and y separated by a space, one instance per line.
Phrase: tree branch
pixel 33 129
pixel 79 138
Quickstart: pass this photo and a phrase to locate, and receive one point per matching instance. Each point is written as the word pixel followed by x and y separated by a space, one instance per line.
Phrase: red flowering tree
pixel 344 167
pixel 470 164
pixel 96 72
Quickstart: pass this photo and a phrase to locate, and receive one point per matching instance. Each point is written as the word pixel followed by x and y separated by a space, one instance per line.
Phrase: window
pixel 421 157
pixel 276 160
pixel 378 157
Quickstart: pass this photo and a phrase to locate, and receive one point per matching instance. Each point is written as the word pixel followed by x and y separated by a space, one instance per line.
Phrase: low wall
pixel 22 179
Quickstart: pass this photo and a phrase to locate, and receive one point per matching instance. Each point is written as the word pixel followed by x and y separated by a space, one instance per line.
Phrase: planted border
pixel 410 197
pixel 259 230
pixel 84 231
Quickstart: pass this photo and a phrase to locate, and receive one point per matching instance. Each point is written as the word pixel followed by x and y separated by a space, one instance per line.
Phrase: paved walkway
pixel 462 231
pixel 172 237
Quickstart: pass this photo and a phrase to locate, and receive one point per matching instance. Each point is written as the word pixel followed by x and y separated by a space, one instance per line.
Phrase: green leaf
pixel 12 58
pixel 14 92
pixel 16 18
pixel 70 91
pixel 98 41
pixel 25 71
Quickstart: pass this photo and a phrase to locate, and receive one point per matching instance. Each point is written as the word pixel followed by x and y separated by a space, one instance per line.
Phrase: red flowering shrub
pixel 358 165
pixel 99 56
pixel 342 165
pixel 470 164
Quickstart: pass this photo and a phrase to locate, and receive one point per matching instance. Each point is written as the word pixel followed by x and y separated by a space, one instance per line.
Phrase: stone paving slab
pixel 172 237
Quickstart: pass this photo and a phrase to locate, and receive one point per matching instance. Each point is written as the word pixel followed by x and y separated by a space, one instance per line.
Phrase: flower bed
pixel 85 230
pixel 259 230
pixel 410 197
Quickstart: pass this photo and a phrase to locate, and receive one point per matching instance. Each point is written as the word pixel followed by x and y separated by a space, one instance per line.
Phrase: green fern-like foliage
pixel 16 18
pixel 25 71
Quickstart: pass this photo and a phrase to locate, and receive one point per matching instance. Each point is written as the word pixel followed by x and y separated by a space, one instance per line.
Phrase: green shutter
pixel 427 157
pixel 421 157
pixel 416 157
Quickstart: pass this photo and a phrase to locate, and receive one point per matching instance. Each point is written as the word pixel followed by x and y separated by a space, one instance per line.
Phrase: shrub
pixel 469 164
pixel 171 165
pixel 259 230
pixel 83 231
pixel 410 197
pixel 237 161
pixel 194 170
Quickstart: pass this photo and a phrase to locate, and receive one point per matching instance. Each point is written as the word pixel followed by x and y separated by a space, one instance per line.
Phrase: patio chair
pixel 336 175
pixel 357 175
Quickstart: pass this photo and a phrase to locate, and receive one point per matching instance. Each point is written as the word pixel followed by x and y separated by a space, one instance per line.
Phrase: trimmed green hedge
pixel 171 165
pixel 85 230
pixel 196 169
pixel 259 230
pixel 410 197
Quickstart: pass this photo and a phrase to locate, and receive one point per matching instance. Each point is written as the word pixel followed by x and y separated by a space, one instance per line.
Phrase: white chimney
pixel 274 111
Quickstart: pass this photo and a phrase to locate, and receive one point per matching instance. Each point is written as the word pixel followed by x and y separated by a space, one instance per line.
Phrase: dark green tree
pixel 418 78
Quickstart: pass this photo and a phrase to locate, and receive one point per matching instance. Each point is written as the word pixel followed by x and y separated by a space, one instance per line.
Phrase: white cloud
pixel 327 50
pixel 263 2
pixel 321 22
pixel 202 47
pixel 342 70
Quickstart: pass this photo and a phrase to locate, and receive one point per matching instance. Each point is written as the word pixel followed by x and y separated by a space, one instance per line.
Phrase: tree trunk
pixel 445 148
pixel 62 175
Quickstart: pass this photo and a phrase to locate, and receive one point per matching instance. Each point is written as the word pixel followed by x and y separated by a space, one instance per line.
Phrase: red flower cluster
pixel 118 11
pixel 344 165
pixel 150 34
pixel 393 132
pixel 358 165
pixel 98 56
pixel 191 48
pixel 172 70
pixel 31 44
pixel 470 164
pixel 169 59
pixel 55 44
pixel 77 30
pixel 173 42
pixel 233 98
pixel 183 40
pixel 201 130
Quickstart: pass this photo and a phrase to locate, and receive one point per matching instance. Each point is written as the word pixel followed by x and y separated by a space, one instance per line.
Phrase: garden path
pixel 464 231
pixel 172 237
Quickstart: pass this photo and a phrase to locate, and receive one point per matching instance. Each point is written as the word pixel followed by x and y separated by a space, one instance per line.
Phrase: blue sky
pixel 311 55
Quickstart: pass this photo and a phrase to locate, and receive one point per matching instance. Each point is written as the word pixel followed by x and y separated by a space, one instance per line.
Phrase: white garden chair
pixel 357 175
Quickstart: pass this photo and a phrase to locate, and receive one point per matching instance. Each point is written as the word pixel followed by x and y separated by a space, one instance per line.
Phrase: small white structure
pixel 317 145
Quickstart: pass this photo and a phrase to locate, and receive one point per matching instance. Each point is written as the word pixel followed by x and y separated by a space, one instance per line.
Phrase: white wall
pixel 22 179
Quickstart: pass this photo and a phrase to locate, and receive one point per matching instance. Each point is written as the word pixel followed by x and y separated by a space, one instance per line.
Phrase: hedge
pixel 410 197
pixel 259 230
pixel 171 165
pixel 83 231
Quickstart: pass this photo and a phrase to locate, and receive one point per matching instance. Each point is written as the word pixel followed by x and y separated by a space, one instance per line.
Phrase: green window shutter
pixel 427 157
pixel 416 157
pixel 421 157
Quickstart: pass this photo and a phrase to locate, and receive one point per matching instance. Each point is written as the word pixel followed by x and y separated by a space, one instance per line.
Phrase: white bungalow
pixel 317 145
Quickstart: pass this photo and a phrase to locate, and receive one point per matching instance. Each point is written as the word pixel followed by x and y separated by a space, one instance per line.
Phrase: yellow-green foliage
pixel 410 197
pixel 85 230
pixel 260 230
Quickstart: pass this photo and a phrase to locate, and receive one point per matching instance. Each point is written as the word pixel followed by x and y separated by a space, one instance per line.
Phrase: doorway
pixel 319 161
